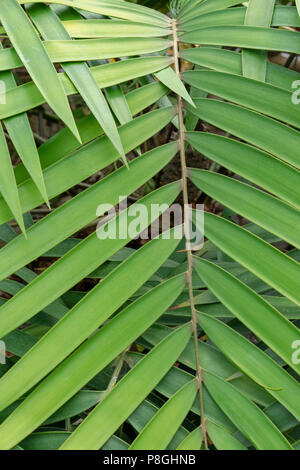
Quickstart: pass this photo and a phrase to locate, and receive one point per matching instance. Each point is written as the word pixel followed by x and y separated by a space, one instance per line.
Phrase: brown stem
pixel 116 373
pixel 194 315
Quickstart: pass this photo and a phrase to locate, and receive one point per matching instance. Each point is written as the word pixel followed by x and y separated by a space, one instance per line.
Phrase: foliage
pixel 173 349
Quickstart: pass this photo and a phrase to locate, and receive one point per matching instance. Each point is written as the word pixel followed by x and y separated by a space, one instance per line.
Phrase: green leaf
pixel 175 379
pixel 115 8
pixel 280 272
pixel 128 393
pixel 222 439
pixel 157 434
pixel 255 62
pixel 282 304
pixel 19 342
pixel 193 441
pixel 283 16
pixel 252 127
pixel 169 78
pixel 8 185
pixel 253 361
pixel 252 310
pixel 206 7
pixel 25 145
pixel 52 440
pixel 211 359
pixel 250 37
pixel 36 60
pixel 118 103
pixel 66 50
pixel 91 49
pixel 51 28
pixel 80 367
pixel 244 160
pixel 63 142
pixel 82 401
pixel 259 96
pixel 60 223
pixel 83 319
pixel 227 61
pixel 296 445
pixel 49 440
pixel 261 208
pixel 144 413
pixel 259 13
pixel 250 420
pixel 81 261
pixel 112 28
pixel 19 130
pixel 27 96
